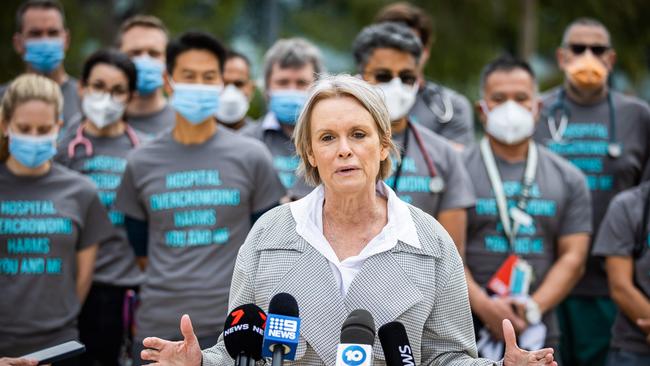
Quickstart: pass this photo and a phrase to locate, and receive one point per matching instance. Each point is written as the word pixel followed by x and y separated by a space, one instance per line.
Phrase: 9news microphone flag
pixel 282 329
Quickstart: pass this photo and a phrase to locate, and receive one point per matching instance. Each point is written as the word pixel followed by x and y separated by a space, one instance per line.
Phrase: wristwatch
pixel 533 314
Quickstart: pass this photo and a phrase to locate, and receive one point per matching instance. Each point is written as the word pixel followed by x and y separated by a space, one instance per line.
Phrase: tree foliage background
pixel 468 33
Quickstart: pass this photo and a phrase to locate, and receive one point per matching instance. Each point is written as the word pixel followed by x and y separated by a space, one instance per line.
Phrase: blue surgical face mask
pixel 32 151
pixel 44 55
pixel 149 74
pixel 195 102
pixel 286 104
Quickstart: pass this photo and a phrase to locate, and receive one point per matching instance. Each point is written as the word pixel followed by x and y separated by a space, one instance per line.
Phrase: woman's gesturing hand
pixel 516 356
pixel 167 353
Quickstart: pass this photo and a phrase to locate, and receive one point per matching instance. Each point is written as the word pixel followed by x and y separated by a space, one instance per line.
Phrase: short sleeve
pixel 577 214
pixel 96 227
pixel 127 199
pixel 459 192
pixel 461 128
pixel 268 188
pixel 617 232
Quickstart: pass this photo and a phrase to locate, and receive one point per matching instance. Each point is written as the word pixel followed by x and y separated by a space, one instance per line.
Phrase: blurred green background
pixel 467 33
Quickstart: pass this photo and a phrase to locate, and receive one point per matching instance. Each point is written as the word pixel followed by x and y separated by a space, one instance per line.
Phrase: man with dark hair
pixel 291 66
pixel 41 39
pixel 237 95
pixel 605 134
pixel 429 172
pixel 439 108
pixel 144 38
pixel 532 219
pixel 190 197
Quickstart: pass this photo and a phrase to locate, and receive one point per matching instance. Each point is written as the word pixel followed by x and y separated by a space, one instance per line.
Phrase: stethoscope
pixel 81 140
pixel 614 149
pixel 436 183
pixel 444 114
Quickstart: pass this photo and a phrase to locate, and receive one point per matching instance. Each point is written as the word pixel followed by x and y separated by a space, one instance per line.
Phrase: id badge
pixel 500 281
pixel 520 278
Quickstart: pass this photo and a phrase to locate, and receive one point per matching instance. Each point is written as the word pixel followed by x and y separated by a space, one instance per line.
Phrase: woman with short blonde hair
pixel 51 222
pixel 351 244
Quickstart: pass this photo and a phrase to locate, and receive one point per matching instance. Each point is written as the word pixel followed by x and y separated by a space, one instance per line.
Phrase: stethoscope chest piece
pixel 614 150
pixel 436 184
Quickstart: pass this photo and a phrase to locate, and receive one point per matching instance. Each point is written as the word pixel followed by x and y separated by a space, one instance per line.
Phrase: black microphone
pixel 282 329
pixel 395 342
pixel 357 338
pixel 243 334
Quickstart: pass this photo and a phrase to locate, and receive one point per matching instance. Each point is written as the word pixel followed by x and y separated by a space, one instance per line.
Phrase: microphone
pixel 395 342
pixel 282 329
pixel 357 337
pixel 243 334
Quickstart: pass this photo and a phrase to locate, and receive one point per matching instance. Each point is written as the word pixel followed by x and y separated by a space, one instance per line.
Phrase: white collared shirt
pixel 308 214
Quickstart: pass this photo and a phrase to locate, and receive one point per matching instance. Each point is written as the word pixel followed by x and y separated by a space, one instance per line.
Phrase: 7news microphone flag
pixel 243 334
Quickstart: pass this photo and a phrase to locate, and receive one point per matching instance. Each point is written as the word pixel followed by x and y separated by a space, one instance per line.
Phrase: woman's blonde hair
pixel 25 88
pixel 338 86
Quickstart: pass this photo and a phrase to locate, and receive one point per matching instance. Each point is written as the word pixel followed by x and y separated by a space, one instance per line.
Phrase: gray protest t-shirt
pixel 559 205
pixel 155 123
pixel 198 200
pixel 285 160
pixel 71 102
pixel 413 183
pixel 585 144
pixel 44 222
pixel 115 264
pixel 617 237
pixel 460 128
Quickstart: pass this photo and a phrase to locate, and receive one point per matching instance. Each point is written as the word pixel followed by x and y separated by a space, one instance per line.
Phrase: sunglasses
pixel 597 50
pixel 407 77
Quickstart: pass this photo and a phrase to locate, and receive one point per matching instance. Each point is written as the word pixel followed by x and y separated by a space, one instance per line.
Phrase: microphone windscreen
pixel 284 304
pixel 358 328
pixel 243 332
pixel 395 343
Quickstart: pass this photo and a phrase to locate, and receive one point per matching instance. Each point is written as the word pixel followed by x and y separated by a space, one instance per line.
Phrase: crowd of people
pixel 143 191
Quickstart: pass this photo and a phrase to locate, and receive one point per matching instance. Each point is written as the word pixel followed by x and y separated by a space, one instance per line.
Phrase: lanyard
pixel 518 213
pixel 557 131
pixel 436 183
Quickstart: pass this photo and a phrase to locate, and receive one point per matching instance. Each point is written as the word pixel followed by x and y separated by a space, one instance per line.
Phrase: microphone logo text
pixel 283 328
pixel 354 355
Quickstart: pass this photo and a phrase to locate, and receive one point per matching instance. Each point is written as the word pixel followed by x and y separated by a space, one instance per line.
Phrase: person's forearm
pixel 85 269
pixel 559 281
pixel 632 302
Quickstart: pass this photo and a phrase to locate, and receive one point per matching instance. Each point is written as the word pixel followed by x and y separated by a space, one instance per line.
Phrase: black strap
pixel 403 153
pixel 641 236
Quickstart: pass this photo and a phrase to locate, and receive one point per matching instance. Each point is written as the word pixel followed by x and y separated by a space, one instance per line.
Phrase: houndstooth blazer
pixel 424 289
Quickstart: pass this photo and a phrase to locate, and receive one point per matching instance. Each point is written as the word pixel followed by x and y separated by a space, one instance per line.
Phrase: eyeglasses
pixel 407 77
pixel 597 50
pixel 118 93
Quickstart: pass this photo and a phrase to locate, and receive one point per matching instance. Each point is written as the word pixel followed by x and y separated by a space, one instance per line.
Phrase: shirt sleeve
pixel 459 192
pixel 617 232
pixel 576 217
pixel 268 188
pixel 461 127
pixel 128 198
pixel 96 227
